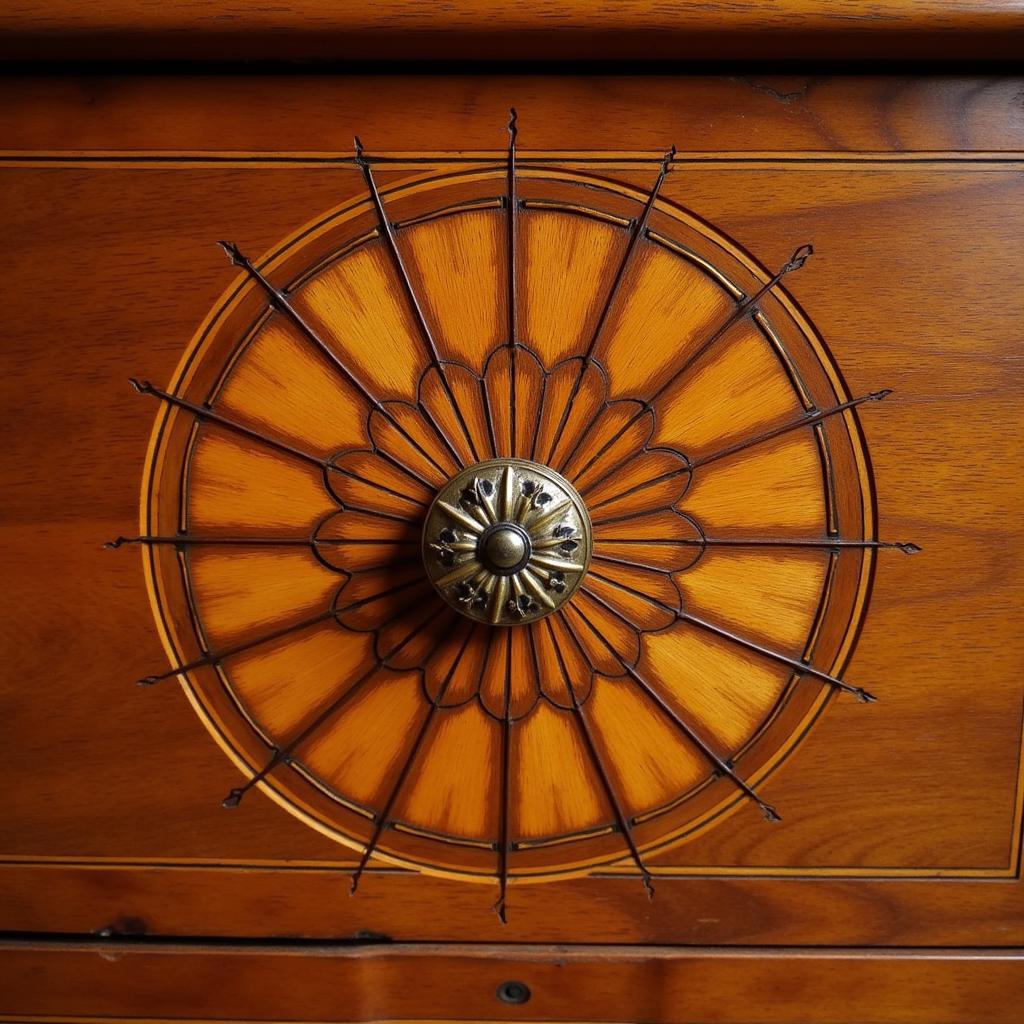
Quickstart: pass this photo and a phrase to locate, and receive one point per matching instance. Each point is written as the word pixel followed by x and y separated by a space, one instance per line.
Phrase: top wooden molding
pixel 549 30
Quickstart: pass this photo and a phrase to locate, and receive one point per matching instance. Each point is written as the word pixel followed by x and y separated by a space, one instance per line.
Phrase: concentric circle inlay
pixel 508 522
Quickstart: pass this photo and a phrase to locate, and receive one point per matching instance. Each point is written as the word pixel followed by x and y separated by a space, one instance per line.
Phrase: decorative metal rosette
pixel 507 541
pixel 509 523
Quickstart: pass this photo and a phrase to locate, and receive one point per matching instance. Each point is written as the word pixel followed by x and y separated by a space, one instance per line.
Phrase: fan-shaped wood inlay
pixel 537 314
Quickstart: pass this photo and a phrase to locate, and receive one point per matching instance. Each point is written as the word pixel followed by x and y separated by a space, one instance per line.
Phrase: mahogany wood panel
pixel 747 115
pixel 100 981
pixel 549 30
pixel 911 193
pixel 217 901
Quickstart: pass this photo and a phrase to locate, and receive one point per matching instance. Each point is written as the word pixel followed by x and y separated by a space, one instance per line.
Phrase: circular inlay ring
pixel 291 470
pixel 507 541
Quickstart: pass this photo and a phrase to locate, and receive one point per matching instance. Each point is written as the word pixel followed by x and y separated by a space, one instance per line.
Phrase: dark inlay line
pixel 352 475
pixel 282 754
pixel 638 229
pixel 485 399
pixel 634 592
pixel 391 460
pixel 188 540
pixel 501 906
pixel 214 657
pixel 798 542
pixel 202 412
pixel 279 301
pixel 384 821
pixel 638 487
pixel 802 421
pixel 796 261
pixel 540 414
pixel 512 317
pixel 753 542
pixel 143 387
pixel 378 514
pixel 613 799
pixel 800 667
pixel 388 232
pixel 627 564
pixel 625 517
pixel 720 764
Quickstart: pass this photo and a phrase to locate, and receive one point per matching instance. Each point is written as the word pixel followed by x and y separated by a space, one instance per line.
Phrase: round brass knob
pixel 504 548
pixel 507 541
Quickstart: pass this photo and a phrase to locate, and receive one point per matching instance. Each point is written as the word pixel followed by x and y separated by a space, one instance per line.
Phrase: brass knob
pixel 507 541
pixel 504 548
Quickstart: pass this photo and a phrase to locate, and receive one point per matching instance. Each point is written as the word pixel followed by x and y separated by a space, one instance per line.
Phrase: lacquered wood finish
pixel 105 981
pixel 902 832
pixel 557 30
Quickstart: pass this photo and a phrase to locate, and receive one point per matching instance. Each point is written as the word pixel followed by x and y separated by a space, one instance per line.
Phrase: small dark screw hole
pixel 514 992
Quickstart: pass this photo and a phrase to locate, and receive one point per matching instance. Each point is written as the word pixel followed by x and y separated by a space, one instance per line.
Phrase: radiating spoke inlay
pixel 384 819
pixel 803 421
pixel 719 762
pixel 800 667
pixel 281 302
pixel 606 784
pixel 388 232
pixel 524 470
pixel 513 329
pixel 748 305
pixel 284 753
pixel 639 227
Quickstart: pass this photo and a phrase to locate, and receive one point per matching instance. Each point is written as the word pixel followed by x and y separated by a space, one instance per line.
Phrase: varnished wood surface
pixel 551 30
pixel 104 980
pixel 753 116
pixel 215 901
pixel 916 285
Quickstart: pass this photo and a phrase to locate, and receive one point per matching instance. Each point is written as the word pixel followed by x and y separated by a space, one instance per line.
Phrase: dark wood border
pixel 312 902
pixel 556 30
pixel 102 981
pixel 805 117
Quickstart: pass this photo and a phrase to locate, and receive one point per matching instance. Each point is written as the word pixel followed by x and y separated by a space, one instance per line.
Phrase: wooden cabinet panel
pixel 317 984
pixel 901 820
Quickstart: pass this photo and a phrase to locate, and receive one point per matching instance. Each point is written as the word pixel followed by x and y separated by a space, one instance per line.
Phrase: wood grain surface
pixel 556 30
pixel 902 832
pixel 742 114
pixel 107 980
pixel 288 901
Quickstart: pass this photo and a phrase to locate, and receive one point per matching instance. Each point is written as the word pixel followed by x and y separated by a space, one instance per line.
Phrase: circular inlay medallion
pixel 511 522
